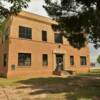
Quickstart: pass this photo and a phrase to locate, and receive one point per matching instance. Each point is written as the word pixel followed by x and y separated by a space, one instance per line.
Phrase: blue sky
pixel 35 6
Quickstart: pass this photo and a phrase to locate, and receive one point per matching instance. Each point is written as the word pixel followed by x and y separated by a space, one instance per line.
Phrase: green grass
pixel 72 88
pixel 93 73
pixel 95 70
pixel 90 74
pixel 10 82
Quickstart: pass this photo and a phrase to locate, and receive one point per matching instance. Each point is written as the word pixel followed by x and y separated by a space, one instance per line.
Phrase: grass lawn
pixel 81 87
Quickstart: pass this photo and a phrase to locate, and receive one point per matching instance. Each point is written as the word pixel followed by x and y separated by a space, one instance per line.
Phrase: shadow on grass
pixel 74 88
pixel 92 74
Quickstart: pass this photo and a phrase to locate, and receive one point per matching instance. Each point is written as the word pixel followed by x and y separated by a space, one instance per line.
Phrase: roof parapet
pixel 37 17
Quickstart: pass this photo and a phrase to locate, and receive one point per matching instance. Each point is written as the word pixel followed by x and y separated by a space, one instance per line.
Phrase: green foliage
pixel 16 7
pixel 77 17
pixel 0 30
pixel 98 59
pixel 1 27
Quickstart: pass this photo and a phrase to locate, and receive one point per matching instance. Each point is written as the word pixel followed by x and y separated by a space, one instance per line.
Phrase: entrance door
pixel 59 62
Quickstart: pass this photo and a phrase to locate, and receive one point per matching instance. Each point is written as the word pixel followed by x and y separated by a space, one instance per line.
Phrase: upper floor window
pixel 58 38
pixel 71 60
pixel 24 59
pixel 83 60
pixel 5 35
pixel 25 32
pixel 44 35
pixel 45 59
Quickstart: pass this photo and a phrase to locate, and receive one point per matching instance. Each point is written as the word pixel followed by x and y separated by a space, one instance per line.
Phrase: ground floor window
pixel 71 60
pixel 5 60
pixel 45 59
pixel 24 59
pixel 83 60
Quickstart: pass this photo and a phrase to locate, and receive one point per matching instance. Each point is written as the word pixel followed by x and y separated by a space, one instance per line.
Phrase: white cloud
pixel 36 6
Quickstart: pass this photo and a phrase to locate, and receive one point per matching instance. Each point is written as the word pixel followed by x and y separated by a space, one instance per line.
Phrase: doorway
pixel 59 62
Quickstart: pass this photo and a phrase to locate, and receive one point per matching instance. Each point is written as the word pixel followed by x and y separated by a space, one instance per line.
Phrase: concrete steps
pixel 64 73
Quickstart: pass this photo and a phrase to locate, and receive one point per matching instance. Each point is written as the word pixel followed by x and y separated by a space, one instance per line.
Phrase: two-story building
pixel 30 47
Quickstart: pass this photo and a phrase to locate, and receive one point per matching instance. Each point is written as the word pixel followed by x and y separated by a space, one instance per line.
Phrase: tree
pixel 79 20
pixel 98 59
pixel 16 7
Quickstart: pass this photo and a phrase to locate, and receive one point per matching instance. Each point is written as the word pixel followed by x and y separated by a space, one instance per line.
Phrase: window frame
pixel 25 32
pixel 44 57
pixel 22 61
pixel 44 36
pixel 72 60
pixel 59 36
pixel 5 60
pixel 82 63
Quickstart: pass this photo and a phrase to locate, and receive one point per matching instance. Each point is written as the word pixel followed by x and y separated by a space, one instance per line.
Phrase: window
pixel 71 60
pixel 44 35
pixel 24 59
pixel 83 60
pixel 45 59
pixel 5 35
pixel 25 32
pixel 5 60
pixel 58 38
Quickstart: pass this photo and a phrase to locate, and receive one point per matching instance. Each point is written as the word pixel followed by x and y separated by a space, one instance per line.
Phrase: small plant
pixel 3 75
pixel 98 59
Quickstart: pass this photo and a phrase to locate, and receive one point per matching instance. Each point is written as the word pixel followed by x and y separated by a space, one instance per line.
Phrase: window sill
pixel 72 65
pixel 45 41
pixel 24 67
pixel 83 65
pixel 59 43
pixel 24 38
pixel 45 66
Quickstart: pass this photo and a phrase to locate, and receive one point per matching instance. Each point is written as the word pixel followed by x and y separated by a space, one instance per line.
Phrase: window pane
pixel 45 60
pixel 44 35
pixel 25 32
pixel 83 60
pixel 72 60
pixel 5 60
pixel 58 38
pixel 24 59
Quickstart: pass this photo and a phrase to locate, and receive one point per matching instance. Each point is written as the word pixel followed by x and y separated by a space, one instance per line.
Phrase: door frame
pixel 54 60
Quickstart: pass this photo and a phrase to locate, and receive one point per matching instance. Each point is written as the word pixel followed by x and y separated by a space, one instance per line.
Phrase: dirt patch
pixel 13 93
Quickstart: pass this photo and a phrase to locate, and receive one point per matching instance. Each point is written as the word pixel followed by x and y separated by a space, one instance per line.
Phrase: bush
pixel 98 59
pixel 2 75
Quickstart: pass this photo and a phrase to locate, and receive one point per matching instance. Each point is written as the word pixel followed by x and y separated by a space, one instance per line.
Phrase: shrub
pixel 3 75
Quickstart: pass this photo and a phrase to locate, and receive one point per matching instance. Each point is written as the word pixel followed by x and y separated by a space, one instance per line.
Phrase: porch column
pixel 65 62
pixel 54 61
